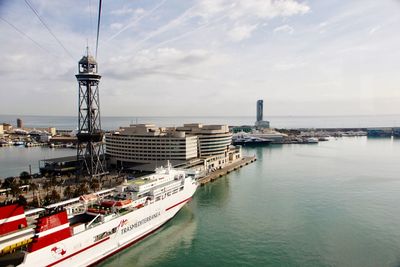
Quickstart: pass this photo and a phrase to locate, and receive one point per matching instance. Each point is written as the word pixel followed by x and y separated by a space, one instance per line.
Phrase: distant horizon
pixel 205 116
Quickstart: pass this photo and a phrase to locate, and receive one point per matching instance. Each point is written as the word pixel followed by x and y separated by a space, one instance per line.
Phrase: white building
pixel 212 139
pixel 145 143
pixel 208 145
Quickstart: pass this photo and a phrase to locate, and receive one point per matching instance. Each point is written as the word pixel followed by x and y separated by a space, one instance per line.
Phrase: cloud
pixel 261 9
pixel 241 32
pixel 284 28
pixel 116 26
pixel 162 61
pixel 127 11
pixel 242 16
pixel 374 30
pixel 285 66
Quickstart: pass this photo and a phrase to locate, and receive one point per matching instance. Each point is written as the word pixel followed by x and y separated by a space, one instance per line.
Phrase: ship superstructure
pixel 83 231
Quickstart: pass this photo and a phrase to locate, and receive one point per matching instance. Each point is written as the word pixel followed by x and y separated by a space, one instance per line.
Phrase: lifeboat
pixel 119 203
pixel 88 198
pixel 95 210
pixel 139 206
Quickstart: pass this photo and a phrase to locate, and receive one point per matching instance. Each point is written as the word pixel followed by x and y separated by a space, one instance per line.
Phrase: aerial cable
pixel 25 35
pixel 48 28
pixel 137 20
pixel 98 28
pixel 91 22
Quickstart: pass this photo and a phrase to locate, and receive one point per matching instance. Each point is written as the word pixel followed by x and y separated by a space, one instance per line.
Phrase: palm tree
pixel 95 184
pixel 8 182
pixel 22 200
pixel 68 193
pixel 55 196
pixel 24 176
pixel 34 187
pixel 82 189
pixel 15 190
pixel 47 186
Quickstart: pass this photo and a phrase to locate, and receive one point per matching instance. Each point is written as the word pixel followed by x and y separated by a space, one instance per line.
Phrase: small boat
pixel 116 203
pixel 248 140
pixel 69 145
pixel 19 143
pixel 311 140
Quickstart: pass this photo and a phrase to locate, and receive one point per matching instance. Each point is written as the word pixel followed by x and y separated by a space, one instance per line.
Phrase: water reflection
pixel 216 193
pixel 177 234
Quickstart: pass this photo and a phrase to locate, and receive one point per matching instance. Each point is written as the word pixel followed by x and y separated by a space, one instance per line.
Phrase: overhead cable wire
pixel 91 22
pixel 98 27
pixel 48 28
pixel 25 35
pixel 137 20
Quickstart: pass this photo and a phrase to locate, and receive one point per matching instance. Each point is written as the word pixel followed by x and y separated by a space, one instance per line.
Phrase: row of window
pixel 130 158
pixel 148 147
pixel 150 139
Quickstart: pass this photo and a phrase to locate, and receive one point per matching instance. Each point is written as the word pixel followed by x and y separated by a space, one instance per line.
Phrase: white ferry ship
pixel 86 230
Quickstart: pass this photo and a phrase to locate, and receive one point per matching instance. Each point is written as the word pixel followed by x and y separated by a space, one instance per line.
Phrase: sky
pixel 204 57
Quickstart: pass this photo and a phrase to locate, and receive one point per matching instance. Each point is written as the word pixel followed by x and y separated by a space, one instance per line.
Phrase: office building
pixel 260 123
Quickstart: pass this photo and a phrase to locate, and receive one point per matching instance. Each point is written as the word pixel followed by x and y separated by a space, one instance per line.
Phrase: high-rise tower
pixel 90 152
pixel 260 123
pixel 260 107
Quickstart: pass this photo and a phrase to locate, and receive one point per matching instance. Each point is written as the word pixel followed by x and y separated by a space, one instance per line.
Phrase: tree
pixel 82 189
pixel 95 184
pixel 15 190
pixel 8 182
pixel 22 200
pixel 51 198
pixel 68 193
pixel 24 176
pixel 55 196
pixel 47 186
pixel 34 187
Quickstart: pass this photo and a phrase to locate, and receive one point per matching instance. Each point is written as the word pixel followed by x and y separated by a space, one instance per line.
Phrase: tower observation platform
pixel 90 149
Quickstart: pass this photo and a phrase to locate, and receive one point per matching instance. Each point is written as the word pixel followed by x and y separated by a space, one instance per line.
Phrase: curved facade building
pixel 145 143
pixel 212 139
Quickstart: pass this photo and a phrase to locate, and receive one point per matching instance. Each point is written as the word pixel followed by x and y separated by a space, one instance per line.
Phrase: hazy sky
pixel 205 57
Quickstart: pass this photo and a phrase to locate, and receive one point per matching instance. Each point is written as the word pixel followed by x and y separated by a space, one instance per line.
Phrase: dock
pixel 226 170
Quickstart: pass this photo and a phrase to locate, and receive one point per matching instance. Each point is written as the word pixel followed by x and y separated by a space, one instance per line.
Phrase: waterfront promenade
pixel 227 169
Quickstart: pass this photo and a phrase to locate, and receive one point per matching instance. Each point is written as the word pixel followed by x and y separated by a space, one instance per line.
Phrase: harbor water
pixel 335 203
pixel 16 159
pixel 112 123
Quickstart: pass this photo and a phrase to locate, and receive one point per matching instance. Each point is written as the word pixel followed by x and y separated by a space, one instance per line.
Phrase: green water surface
pixel 336 203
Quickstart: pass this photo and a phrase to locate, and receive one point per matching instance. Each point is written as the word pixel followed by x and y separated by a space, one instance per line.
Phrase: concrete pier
pixel 224 171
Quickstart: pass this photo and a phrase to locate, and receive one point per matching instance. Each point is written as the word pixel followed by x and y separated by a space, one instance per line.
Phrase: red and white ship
pixel 85 230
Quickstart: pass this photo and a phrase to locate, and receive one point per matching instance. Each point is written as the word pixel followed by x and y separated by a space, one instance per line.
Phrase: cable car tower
pixel 90 149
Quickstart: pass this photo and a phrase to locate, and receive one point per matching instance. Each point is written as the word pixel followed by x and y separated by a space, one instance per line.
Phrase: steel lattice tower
pixel 90 149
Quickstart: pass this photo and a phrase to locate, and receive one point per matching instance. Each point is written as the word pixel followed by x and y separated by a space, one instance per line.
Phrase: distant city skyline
pixel 205 57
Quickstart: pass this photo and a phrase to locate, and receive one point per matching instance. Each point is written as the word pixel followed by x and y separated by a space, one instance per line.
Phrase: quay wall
pixel 226 170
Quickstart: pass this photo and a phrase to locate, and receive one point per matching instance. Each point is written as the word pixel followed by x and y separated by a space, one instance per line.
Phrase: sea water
pixel 335 203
